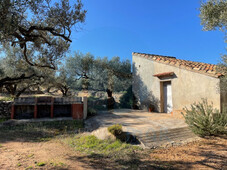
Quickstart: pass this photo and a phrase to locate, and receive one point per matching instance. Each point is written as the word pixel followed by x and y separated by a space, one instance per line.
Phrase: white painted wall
pixel 187 87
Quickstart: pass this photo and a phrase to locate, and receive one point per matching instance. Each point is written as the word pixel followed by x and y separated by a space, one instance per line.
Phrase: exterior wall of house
pixel 224 101
pixel 187 86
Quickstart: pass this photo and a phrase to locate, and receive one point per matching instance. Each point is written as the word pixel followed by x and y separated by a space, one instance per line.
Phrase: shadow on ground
pixel 38 131
pixel 206 154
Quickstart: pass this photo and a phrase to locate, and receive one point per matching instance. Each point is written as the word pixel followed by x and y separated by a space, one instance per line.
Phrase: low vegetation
pixel 115 129
pixel 91 145
pixel 204 120
pixel 6 99
pixel 41 164
pixel 3 119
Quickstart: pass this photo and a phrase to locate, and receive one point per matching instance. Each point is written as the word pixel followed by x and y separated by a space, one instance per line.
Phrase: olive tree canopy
pixel 41 26
pixel 213 15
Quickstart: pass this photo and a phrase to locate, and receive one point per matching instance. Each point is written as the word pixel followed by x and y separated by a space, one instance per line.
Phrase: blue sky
pixel 164 27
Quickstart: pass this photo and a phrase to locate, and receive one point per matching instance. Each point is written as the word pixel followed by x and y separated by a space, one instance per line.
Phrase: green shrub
pixel 126 100
pixel 204 120
pixel 91 112
pixel 116 130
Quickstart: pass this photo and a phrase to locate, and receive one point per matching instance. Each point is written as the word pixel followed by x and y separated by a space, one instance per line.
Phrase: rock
pixel 103 134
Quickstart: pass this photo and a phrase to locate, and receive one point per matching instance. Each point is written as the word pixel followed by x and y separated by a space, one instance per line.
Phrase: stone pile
pixel 5 107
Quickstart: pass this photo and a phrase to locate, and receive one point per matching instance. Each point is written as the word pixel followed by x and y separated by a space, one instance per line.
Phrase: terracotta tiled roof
pixel 204 68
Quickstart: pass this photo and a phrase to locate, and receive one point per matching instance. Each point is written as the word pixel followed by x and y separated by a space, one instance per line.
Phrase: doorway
pixel 166 97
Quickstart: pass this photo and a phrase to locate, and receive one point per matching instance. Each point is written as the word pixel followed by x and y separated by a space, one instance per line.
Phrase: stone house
pixel 167 85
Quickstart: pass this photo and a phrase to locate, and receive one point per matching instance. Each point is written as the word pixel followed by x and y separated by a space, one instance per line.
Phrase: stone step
pixel 159 138
pixel 166 138
pixel 177 130
pixel 164 135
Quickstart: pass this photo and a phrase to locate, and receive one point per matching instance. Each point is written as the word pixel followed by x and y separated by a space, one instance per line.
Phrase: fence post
pixel 52 108
pixel 85 107
pixel 12 111
pixel 35 109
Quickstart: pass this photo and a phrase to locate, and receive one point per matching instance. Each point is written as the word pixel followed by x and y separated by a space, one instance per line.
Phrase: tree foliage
pixel 35 33
pixel 41 26
pixel 16 75
pixel 99 74
pixel 213 15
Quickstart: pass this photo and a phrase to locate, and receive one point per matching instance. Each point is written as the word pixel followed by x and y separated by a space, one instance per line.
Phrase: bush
pixel 91 112
pixel 116 130
pixel 204 120
pixel 128 100
pixel 96 103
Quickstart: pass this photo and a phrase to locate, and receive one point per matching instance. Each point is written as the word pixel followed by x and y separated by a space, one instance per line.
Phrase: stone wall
pixel 5 107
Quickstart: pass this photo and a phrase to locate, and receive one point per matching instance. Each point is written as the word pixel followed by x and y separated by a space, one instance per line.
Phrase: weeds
pixel 115 129
pixel 41 164
pixel 58 164
pixel 92 145
pixel 19 164
pixel 29 167
pixel 30 155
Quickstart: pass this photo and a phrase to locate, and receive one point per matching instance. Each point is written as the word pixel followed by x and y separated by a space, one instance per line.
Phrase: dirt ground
pixel 26 155
pixel 204 154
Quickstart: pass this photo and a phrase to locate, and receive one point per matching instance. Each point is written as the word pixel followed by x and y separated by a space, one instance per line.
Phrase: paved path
pixel 150 128
pixel 137 121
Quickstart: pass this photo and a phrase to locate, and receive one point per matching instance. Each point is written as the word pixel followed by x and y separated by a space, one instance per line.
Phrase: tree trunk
pixel 20 92
pixel 64 91
pixel 110 100
pixel 11 89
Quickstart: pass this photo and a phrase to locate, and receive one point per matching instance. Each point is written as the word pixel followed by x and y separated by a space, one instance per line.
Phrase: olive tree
pixel 41 29
pixel 25 76
pixel 213 15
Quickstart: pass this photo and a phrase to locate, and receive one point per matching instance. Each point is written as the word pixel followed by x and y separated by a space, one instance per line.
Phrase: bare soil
pixel 204 154
pixel 27 155
pixel 55 155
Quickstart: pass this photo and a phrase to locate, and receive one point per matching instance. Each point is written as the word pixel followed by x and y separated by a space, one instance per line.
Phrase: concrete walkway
pixel 151 129
pixel 136 121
